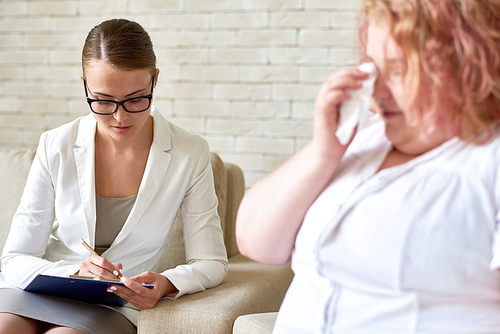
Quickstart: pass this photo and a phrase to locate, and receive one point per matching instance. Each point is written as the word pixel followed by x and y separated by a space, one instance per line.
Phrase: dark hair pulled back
pixel 123 43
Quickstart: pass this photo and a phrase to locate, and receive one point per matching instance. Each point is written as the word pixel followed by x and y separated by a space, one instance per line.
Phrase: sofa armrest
pixel 235 192
pixel 250 287
pixel 262 323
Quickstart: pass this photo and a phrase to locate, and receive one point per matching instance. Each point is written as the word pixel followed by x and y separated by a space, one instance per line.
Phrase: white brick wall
pixel 241 73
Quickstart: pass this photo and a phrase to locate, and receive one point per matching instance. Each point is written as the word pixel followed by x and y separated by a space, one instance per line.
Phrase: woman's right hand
pixel 97 266
pixel 332 93
pixel 266 229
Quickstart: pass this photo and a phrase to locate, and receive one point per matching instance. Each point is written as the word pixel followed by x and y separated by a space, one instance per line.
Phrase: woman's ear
pixel 156 76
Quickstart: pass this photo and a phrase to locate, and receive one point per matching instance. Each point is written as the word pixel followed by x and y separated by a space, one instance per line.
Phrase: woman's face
pixel 403 126
pixel 106 82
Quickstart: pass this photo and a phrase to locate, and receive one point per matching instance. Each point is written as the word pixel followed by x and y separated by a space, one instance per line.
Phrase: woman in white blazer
pixel 115 178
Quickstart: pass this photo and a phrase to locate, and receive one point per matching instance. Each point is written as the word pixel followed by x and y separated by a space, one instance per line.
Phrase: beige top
pixel 111 216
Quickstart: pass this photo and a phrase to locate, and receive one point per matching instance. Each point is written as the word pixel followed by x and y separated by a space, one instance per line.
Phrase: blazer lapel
pixel 84 152
pixel 156 168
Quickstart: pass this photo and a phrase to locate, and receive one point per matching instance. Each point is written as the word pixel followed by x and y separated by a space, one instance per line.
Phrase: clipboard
pixel 84 289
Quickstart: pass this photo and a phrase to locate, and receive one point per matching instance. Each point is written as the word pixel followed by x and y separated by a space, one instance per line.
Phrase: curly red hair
pixel 452 45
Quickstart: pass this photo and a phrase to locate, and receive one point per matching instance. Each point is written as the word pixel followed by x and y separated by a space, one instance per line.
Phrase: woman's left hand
pixel 138 295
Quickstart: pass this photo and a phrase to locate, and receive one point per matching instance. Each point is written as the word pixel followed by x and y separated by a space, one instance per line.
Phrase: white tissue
pixel 354 110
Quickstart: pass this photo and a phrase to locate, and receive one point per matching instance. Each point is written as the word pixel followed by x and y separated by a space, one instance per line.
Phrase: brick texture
pixel 241 73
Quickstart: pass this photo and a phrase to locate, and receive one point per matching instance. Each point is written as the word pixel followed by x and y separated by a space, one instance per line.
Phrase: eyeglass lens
pixel 133 105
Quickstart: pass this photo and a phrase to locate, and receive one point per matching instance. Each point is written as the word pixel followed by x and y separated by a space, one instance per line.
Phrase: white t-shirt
pixel 411 249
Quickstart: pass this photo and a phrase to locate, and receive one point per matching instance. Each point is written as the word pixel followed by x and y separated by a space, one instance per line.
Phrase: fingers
pixel 350 78
pixel 138 295
pixel 118 269
pixel 118 266
pixel 97 266
pixel 334 91
pixel 335 88
pixel 328 101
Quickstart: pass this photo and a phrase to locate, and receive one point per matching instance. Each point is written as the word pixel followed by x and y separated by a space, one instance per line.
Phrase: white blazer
pixel 58 208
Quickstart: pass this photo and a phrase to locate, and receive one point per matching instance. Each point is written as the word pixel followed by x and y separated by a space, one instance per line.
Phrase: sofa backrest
pixel 229 186
pixel 14 168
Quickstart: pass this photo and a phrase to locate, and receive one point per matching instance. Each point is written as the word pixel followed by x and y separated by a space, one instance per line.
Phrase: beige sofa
pixel 249 288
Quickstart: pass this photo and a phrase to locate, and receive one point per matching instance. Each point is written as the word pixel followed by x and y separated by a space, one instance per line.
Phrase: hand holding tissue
pixel 354 110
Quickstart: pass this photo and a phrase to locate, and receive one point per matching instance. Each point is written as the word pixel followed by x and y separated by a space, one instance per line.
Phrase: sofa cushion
pixel 175 252
pixel 258 323
pixel 14 167
pixel 250 287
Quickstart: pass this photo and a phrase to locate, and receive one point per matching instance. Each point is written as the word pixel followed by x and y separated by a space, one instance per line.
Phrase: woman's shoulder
pixel 67 135
pixel 173 137
pixel 478 155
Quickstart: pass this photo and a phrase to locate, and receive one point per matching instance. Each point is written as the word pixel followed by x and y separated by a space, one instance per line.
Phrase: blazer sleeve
pixel 204 243
pixel 22 257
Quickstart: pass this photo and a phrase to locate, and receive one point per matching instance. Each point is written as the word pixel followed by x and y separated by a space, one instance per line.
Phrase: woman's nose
pixel 380 89
pixel 120 115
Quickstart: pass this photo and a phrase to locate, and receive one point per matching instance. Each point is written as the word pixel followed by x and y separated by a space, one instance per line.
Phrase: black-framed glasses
pixel 109 107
